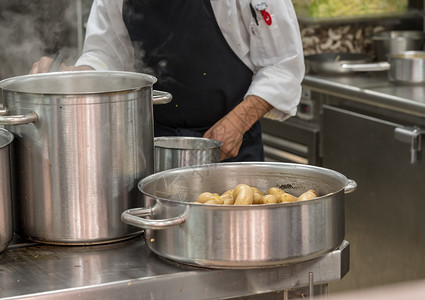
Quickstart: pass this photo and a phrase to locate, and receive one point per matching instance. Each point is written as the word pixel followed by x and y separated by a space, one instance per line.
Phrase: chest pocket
pixel 267 41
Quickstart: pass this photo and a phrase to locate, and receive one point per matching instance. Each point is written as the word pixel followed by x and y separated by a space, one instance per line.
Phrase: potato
pixel 310 194
pixel 275 191
pixel 212 201
pixel 226 199
pixel 257 195
pixel 269 198
pixel 243 195
pixel 205 197
pixel 228 192
pixel 286 197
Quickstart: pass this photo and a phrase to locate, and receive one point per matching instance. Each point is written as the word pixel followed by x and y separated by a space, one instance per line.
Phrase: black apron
pixel 180 43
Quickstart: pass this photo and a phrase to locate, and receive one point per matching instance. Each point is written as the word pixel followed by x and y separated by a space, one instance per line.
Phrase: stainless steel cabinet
pixel 385 217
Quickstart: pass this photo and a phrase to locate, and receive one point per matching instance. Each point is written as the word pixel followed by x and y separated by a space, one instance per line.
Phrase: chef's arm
pixel 231 128
pixel 43 66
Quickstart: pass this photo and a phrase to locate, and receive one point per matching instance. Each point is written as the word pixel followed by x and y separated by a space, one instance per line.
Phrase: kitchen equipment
pixel 405 67
pixel 247 236
pixel 129 270
pixel 6 225
pixel 86 141
pixel 331 63
pixel 397 41
pixel 297 139
pixel 178 151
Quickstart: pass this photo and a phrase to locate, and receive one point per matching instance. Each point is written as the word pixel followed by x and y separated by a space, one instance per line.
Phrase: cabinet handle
pixel 412 135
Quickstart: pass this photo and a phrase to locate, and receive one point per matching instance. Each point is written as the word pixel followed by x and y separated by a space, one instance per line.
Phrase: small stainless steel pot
pixel 6 224
pixel 178 151
pixel 249 236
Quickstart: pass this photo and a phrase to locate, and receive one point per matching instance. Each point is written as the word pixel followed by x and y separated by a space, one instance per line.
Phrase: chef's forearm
pixel 249 111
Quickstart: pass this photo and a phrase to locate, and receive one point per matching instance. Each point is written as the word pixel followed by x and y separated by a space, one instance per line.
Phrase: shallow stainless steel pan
pixel 331 63
pixel 243 236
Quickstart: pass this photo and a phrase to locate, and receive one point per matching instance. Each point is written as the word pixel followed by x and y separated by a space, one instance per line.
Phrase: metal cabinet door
pixel 385 217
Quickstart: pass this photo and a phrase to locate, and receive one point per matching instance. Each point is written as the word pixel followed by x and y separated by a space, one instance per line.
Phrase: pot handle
pixel 379 66
pixel 350 187
pixel 30 117
pixel 134 217
pixel 160 97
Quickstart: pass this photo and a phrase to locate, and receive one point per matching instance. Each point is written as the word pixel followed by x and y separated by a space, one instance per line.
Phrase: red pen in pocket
pixel 261 7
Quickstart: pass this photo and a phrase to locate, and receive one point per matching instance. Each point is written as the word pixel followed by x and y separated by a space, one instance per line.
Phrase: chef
pixel 227 63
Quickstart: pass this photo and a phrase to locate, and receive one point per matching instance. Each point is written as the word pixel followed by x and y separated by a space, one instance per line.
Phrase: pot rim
pixel 206 143
pixel 8 135
pixel 408 55
pixel 398 35
pixel 151 178
pixel 19 84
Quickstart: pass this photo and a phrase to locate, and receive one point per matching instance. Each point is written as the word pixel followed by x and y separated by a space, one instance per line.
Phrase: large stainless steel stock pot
pixel 83 140
pixel 6 224
pixel 248 236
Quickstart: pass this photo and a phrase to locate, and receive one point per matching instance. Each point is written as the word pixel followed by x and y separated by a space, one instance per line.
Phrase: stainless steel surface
pixel 331 63
pixel 385 217
pixel 128 270
pixel 276 153
pixel 77 164
pixel 396 41
pixel 6 224
pixel 373 90
pixel 412 136
pixel 295 141
pixel 243 236
pixel 177 151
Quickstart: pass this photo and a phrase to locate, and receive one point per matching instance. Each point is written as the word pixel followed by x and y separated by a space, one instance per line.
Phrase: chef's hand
pixel 231 128
pixel 43 65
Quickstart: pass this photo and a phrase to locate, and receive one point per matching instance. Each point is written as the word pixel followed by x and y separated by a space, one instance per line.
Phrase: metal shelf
pixel 129 270
pixel 391 18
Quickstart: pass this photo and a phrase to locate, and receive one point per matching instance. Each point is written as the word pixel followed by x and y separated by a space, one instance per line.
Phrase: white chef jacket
pixel 273 52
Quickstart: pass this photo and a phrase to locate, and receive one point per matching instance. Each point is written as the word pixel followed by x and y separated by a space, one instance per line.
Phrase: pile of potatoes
pixel 244 194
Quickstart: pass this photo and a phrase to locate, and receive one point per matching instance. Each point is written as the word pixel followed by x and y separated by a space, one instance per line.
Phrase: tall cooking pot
pixel 241 236
pixel 6 225
pixel 83 140
pixel 397 41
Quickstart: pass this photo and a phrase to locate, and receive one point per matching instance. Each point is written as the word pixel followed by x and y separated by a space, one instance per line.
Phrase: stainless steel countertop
pixel 372 88
pixel 129 270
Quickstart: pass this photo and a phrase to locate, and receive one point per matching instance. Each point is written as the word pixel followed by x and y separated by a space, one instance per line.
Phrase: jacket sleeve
pixel 277 55
pixel 273 52
pixel 107 45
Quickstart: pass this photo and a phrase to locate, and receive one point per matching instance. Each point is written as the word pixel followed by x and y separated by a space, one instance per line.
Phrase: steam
pixel 31 29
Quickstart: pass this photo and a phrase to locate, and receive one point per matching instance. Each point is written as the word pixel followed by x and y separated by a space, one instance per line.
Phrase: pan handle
pixel 350 187
pixel 379 66
pixel 27 118
pixel 160 97
pixel 135 217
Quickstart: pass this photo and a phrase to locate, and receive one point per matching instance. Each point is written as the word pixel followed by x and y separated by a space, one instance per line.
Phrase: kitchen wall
pixel 31 29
